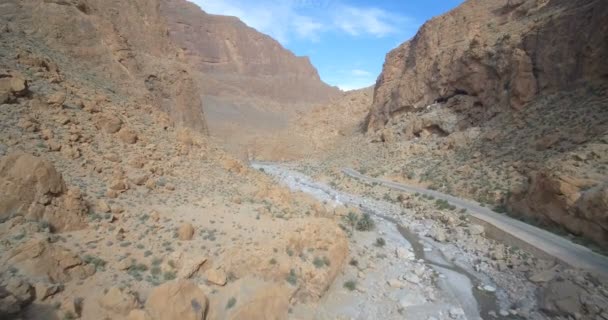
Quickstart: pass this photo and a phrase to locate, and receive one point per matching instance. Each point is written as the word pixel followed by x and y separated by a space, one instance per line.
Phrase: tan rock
pixel 112 157
pixel 21 290
pixel 190 266
pixel 216 276
pixel 108 123
pixel 179 299
pixel 72 306
pixel 45 290
pixel 12 85
pixel 57 99
pixel 185 232
pixel 103 206
pixel 118 185
pixel 270 303
pixel 138 179
pixel 38 258
pixel 32 187
pixel 118 301
pixel 155 216
pixel 137 162
pixel 127 136
pixel 137 315
pixel 53 145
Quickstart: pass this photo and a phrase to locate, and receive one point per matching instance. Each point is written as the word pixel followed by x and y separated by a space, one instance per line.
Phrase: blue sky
pixel 346 40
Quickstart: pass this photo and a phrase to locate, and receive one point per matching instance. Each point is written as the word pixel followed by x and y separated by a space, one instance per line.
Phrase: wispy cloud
pixel 366 21
pixel 284 20
pixel 360 73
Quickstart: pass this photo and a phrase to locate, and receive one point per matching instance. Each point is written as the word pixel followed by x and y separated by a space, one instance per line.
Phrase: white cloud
pixel 279 19
pixel 366 21
pixel 284 20
pixel 307 28
pixel 360 73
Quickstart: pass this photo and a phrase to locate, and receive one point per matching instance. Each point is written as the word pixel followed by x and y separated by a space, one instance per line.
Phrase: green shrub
pixel 350 285
pixel 365 223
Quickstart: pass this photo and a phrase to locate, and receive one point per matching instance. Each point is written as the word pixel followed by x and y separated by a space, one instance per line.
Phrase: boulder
pixel 185 232
pixel 12 85
pixel 33 188
pixel 57 99
pixel 21 290
pixel 216 276
pixel 108 123
pixel 118 301
pixel 271 303
pixel 190 266
pixel 39 258
pixel 179 299
pixel 127 136
pixel 561 297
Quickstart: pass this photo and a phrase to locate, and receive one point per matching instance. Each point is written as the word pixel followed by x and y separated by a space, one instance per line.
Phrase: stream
pixel 459 283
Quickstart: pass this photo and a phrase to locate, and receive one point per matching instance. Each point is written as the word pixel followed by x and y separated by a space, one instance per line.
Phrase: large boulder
pixel 252 298
pixel 580 205
pixel 12 85
pixel 180 299
pixel 118 301
pixel 39 258
pixel 32 187
pixel 270 303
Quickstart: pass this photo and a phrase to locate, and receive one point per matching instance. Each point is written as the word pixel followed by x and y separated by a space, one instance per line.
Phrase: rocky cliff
pixel 238 60
pixel 501 52
pixel 124 43
pixel 507 99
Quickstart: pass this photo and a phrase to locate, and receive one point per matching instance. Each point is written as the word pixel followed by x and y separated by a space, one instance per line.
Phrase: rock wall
pixel 237 59
pixel 124 43
pixel 502 52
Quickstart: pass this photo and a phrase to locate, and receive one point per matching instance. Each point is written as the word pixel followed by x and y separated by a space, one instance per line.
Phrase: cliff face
pixel 236 59
pixel 123 42
pixel 503 53
pixel 512 92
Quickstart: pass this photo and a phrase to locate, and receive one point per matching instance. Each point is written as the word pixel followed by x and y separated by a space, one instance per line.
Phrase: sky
pixel 346 40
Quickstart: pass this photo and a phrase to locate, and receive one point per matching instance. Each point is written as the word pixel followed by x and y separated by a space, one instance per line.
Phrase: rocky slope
pixel 504 101
pixel 238 60
pixel 503 53
pixel 110 191
pixel 124 43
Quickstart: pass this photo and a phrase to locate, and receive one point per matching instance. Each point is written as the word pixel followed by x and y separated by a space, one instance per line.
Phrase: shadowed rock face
pixel 502 52
pixel 236 59
pixel 124 43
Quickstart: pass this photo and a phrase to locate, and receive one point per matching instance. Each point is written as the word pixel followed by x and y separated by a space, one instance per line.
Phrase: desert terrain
pixel 159 162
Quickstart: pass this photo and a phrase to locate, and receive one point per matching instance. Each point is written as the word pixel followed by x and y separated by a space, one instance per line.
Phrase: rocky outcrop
pixel 501 52
pixel 180 299
pixel 12 85
pixel 577 204
pixel 237 59
pixel 39 258
pixel 123 43
pixel 33 188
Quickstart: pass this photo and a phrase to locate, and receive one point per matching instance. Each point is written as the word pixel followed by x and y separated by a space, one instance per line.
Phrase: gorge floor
pixel 408 274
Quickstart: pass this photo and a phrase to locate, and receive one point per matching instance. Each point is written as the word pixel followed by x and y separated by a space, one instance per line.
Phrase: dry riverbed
pixel 426 260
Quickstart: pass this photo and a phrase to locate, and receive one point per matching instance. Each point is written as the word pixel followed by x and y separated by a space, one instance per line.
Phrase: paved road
pixel 561 248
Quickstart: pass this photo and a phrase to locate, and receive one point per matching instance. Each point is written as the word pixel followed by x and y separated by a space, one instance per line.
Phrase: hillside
pixel 251 84
pixel 114 204
pixel 523 96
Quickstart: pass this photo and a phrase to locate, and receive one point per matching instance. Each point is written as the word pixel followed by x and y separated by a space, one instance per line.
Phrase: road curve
pixel 561 248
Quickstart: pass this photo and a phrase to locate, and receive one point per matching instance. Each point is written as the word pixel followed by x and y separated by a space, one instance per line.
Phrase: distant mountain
pixel 237 60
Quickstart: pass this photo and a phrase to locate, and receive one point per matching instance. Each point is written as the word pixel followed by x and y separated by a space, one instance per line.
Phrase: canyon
pixel 160 162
